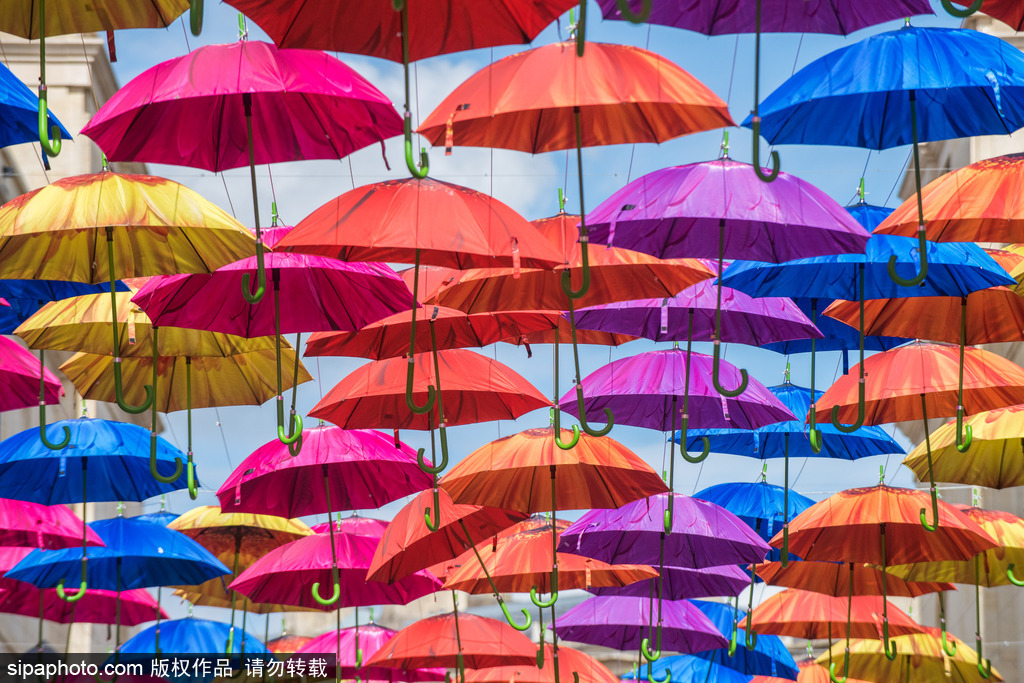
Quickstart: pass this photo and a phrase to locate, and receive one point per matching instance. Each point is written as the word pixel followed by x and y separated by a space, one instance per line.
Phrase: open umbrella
pixel 814 616
pixel 193 639
pixel 678 583
pixel 25 297
pixel 355 644
pixel 833 578
pixel 769 657
pixel 585 667
pixel 20 113
pixel 27 524
pixel 687 668
pixel 18 377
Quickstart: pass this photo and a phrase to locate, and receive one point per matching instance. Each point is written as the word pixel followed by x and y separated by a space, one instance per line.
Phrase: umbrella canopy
pixel 510 108
pixel 521 560
pixel 690 314
pixel 641 389
pixel 354 645
pixel 363 469
pixel 527 472
pixel 814 616
pixel 115 455
pixel 995 449
pixel 569 662
pixel 447 640
pixel 227 534
pixel 19 107
pixel 285 574
pixel 27 524
pixel 19 379
pixel 303 105
pixel 769 657
pixel 718 207
pixel 620 622
pixel 688 668
pixel 837 336
pixel 185 637
pixel 677 583
pixel 287 644
pixel 25 297
pixel 407 546
pixel 833 578
pixel 21 18
pixel 96 607
pixel 335 296
pixel 215 594
pixel 242 379
pixel 810 672
pixel 476 389
pixel 137 554
pixel 950 71
pixel 702 534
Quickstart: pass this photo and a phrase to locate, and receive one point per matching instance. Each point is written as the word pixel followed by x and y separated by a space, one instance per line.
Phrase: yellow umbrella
pixel 212 593
pixel 920 659
pixel 150 225
pixel 995 458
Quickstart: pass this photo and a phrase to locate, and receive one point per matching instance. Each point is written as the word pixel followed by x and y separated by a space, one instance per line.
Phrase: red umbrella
pixel 813 616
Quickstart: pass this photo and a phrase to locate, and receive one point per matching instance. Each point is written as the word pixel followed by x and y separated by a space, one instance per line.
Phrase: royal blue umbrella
pixel 764 655
pixel 866 95
pixel 837 336
pixel 19 112
pixel 687 668
pixel 28 296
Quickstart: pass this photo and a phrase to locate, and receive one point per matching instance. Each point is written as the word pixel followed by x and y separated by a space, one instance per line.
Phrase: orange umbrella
pixel 810 672
pixel 814 616
pixel 568 661
pixel 916 380
pixel 832 578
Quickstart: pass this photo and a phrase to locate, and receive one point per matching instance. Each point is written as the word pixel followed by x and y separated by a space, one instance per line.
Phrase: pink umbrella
pixel 359 526
pixel 335 296
pixel 303 104
pixel 40 526
pixel 359 468
pixel 97 607
pixel 20 379
pixel 281 576
pixel 354 645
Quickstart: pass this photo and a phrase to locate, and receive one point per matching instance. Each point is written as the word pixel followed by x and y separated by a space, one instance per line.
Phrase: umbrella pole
pixel 156 635
pixel 497 594
pixel 684 439
pixel 193 492
pixel 717 337
pixel 735 625
pixel 295 392
pixel 540 645
pixel 118 384
pixel 61 593
pixel 178 466
pixel 948 646
pixel 434 468
pixel 261 273
pixel 963 436
pixel 554 552
pixel 889 654
pixel 984 665
pixel 411 370
pixel 846 661
pixel 234 594
pixel 39 643
pixel 42 412
pixel 861 384
pixel 293 440
pixel 50 148
pixel 931 476
pixel 424 168
pixel 459 661
pixel 117 621
pixel 814 434
pixel 645 644
pixel 751 636
pixel 784 556
pixel 922 243
pixel 755 121
pixel 556 413
pixel 334 556
pixel 584 236
pixel 580 407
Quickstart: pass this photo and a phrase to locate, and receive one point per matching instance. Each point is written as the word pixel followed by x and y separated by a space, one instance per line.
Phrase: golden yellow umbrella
pixel 150 225
pixel 212 593
pixel 995 458
pixel 920 659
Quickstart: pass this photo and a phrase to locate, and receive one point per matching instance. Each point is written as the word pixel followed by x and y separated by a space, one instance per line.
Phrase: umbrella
pixel 832 578
pixel 995 448
pixel 158 226
pixel 618 622
pixel 769 657
pixel 909 382
pixel 113 14
pixel 192 639
pixel 873 103
pixel 80 323
pixel 678 583
pixel 25 297
pixel 405 547
pixel 877 525
pixel 28 524
pixel 336 296
pixel 363 469
pixel 687 668
pixel 810 672
pixel 571 661
pixel 286 644
pixel 19 111
pixel 18 377
pixel 353 645
pixel 303 104
pixel 813 616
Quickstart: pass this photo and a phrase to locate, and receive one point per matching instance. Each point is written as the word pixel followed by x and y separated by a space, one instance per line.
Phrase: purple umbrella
pixel 618 622
pixel 678 583
pixel 324 294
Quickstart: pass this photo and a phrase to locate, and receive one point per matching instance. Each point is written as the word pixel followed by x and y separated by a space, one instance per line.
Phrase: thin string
pixel 273 193
pixel 223 438
pixel 732 72
pixel 901 175
pixel 188 48
pixel 228 194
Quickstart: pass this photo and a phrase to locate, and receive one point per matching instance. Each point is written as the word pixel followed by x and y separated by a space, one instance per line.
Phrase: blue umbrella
pixel 28 296
pixel 838 336
pixel 865 95
pixel 197 637
pixel 19 112
pixel 767 656
pixel 687 668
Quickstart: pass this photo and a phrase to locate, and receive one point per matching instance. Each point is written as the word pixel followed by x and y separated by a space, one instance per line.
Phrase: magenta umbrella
pixel 334 295
pixel 23 523
pixel 20 379
pixel 282 575
pixel 359 526
pixel 247 103
pixel 353 646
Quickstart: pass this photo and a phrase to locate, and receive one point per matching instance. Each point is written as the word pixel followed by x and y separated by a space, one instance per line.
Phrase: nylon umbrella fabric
pixel 19 106
pixel 353 524
pixel 837 336
pixel 640 390
pixel 953 72
pixel 810 672
pixel 682 211
pixel 115 453
pixel 185 637
pixel 570 661
pixel 364 469
pixel 619 622
pixel 28 524
pixel 526 101
pixel 688 668
pixel 702 535
pixel 25 297
pixel 815 616
pixel 67 16
pixel 833 578
pixel 287 644
pixel 367 639
pixel 304 105
pixel 215 594
pixel 96 607
pixel 476 389
pixel 769 656
pixel 1006 11
pixel 19 379
pixel 678 583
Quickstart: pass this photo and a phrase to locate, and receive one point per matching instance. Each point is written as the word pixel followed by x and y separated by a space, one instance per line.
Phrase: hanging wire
pixel 228 194
pixel 223 438
pixel 188 48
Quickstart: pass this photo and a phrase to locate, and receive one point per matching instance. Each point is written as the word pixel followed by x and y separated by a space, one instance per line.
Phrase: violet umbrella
pixel 335 296
pixel 715 209
pixel 303 104
pixel 679 583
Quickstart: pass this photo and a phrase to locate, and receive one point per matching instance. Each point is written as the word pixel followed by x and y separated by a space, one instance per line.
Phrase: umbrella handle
pixel 261 278
pixel 178 465
pixel 190 468
pixel 846 670
pixel 935 513
pixel 436 524
pixel 733 637
pixel 119 393
pixel 889 654
pixel 424 167
pixel 554 590
pixel 814 435
pixel 433 469
pixel 985 667
pixel 922 250
pixel 715 363
pixel 63 595
pixel 585 272
pixel 650 678
pixel 556 422
pixel 42 412
pixel 583 416
pixel 645 648
pixel 295 439
pixel 962 14
pixel 425 408
pixel 645 11
pixel 848 429
pixel 755 124
pixel 1013 579
pixel 751 636
pixel 334 596
pixel 195 16
pixel 511 621
pixel 695 459
pixel 50 147
pixel 964 435
pixel 948 646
